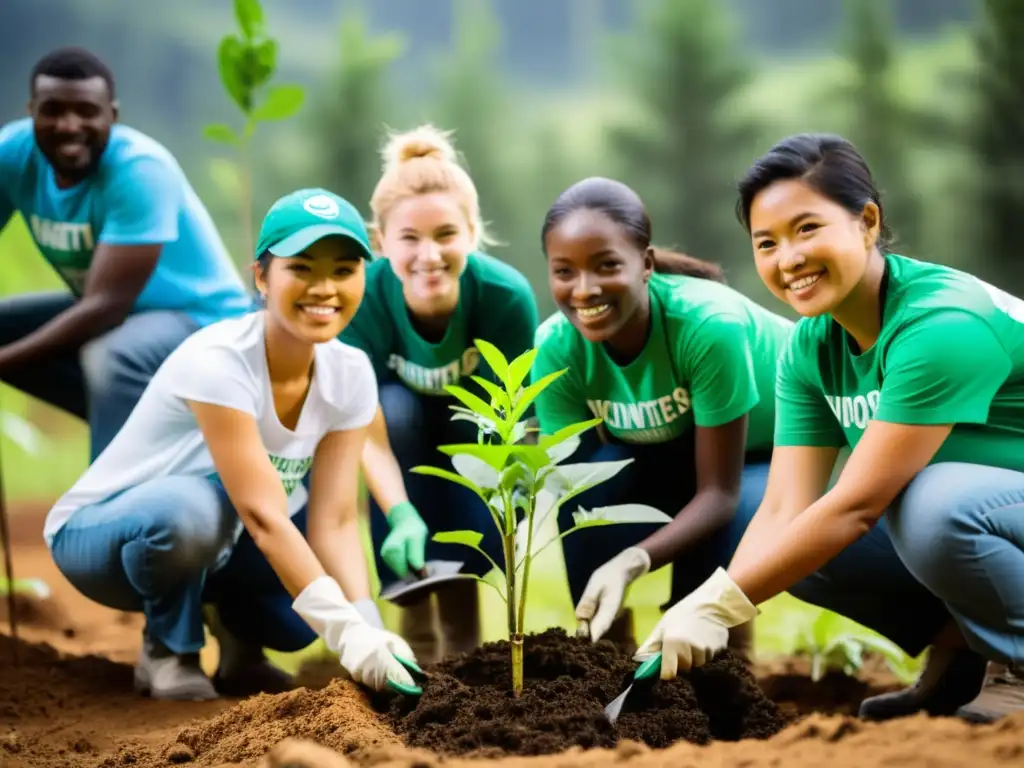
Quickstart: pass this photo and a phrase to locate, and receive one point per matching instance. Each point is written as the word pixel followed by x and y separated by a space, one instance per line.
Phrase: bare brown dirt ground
pixel 67 702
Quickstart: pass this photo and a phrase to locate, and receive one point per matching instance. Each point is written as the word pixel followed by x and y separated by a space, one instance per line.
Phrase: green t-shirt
pixel 950 351
pixel 709 359
pixel 496 304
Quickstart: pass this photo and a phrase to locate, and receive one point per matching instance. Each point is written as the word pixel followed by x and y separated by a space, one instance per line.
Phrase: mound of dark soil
pixel 467 706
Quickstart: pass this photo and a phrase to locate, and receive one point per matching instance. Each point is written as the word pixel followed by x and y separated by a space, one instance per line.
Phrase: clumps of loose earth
pixel 467 707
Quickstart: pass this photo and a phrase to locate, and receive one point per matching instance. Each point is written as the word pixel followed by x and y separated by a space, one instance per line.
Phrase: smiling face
pixel 72 121
pixel 314 294
pixel 598 276
pixel 810 251
pixel 428 238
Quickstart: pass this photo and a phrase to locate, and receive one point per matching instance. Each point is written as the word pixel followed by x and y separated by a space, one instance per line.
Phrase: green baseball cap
pixel 300 218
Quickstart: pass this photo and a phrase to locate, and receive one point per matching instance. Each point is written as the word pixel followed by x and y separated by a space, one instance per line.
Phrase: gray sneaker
pixel 165 675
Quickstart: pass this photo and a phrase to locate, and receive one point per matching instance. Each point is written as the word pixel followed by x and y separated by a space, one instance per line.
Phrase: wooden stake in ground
pixel 5 535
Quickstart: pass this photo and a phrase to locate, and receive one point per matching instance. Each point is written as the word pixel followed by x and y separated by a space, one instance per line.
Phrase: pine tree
pixel 684 150
pixel 881 127
pixel 354 111
pixel 997 141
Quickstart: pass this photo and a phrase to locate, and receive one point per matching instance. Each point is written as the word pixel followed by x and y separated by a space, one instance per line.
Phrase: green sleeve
pixel 511 319
pixel 561 403
pixel 371 331
pixel 722 382
pixel 802 414
pixel 943 368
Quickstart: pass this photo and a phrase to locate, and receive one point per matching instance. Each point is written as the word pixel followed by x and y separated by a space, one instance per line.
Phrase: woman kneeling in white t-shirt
pixel 221 441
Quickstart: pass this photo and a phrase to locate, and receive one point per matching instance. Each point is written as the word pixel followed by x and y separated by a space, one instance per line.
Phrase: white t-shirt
pixel 225 364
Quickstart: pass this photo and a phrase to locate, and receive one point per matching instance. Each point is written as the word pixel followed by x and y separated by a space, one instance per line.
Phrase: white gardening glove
pixel 606 589
pixel 697 627
pixel 368 610
pixel 366 653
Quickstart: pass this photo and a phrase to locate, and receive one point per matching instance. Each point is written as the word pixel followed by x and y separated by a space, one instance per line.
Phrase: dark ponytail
pixel 673 263
pixel 624 206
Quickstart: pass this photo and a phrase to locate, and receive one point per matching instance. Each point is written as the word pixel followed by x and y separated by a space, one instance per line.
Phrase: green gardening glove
pixel 406 545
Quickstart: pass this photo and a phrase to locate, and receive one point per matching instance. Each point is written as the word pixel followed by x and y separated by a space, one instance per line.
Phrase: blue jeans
pixel 103 380
pixel 960 530
pixel 166 548
pixel 660 476
pixel 417 425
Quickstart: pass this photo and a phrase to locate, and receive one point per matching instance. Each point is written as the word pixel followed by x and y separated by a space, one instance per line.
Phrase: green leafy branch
pixel 247 61
pixel 830 645
pixel 523 484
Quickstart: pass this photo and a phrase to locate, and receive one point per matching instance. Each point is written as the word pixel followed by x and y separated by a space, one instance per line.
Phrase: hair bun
pixel 423 141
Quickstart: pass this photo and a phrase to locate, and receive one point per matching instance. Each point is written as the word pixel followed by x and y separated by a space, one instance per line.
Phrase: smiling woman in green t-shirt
pixel 681 368
pixel 425 302
pixel 919 369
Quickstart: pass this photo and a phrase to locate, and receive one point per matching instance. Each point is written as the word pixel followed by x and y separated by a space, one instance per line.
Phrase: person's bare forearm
pixel 381 469
pixel 292 559
pixel 340 550
pixel 704 514
pixel 82 322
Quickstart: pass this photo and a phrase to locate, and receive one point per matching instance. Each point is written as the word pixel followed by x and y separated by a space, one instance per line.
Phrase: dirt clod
pixel 467 707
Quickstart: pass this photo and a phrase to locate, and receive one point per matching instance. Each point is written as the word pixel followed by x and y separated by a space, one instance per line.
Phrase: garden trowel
pixel 433 574
pixel 646 676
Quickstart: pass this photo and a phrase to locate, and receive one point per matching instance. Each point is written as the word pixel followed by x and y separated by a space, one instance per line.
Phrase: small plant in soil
pixel 830 647
pixel 522 480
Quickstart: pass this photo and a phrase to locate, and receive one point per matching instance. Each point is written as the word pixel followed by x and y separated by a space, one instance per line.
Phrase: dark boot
pixel 950 679
pixel 1001 694
pixel 419 630
pixel 243 669
pixel 458 606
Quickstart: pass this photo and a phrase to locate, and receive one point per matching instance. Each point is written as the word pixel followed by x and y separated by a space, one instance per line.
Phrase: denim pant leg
pixel 960 530
pixel 58 380
pixel 252 603
pixel 417 425
pixel 869 583
pixel 120 364
pixel 149 549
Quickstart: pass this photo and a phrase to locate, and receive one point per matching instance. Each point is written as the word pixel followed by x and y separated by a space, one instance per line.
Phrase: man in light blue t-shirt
pixel 112 212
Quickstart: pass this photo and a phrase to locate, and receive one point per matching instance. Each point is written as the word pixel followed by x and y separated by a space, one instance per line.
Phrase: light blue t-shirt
pixel 138 195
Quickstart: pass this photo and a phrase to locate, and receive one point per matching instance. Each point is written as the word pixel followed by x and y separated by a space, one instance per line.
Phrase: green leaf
pixel 621 513
pixel 260 63
pixel 469 539
pixel 282 102
pixel 519 369
pixel 535 457
pixel 221 133
pixel 476 470
pixel 230 63
pixel 455 478
pixel 569 431
pixel 495 455
pixel 494 358
pixel 249 15
pixel 499 396
pixel 474 402
pixel 529 394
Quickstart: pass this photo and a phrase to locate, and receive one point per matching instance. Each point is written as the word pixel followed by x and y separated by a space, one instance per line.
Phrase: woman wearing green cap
pixel 431 295
pixel 199 499
pixel 681 369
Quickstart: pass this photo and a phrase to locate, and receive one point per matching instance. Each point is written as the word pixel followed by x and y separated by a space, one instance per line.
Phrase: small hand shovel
pixel 433 575
pixel 646 676
pixel 417 674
